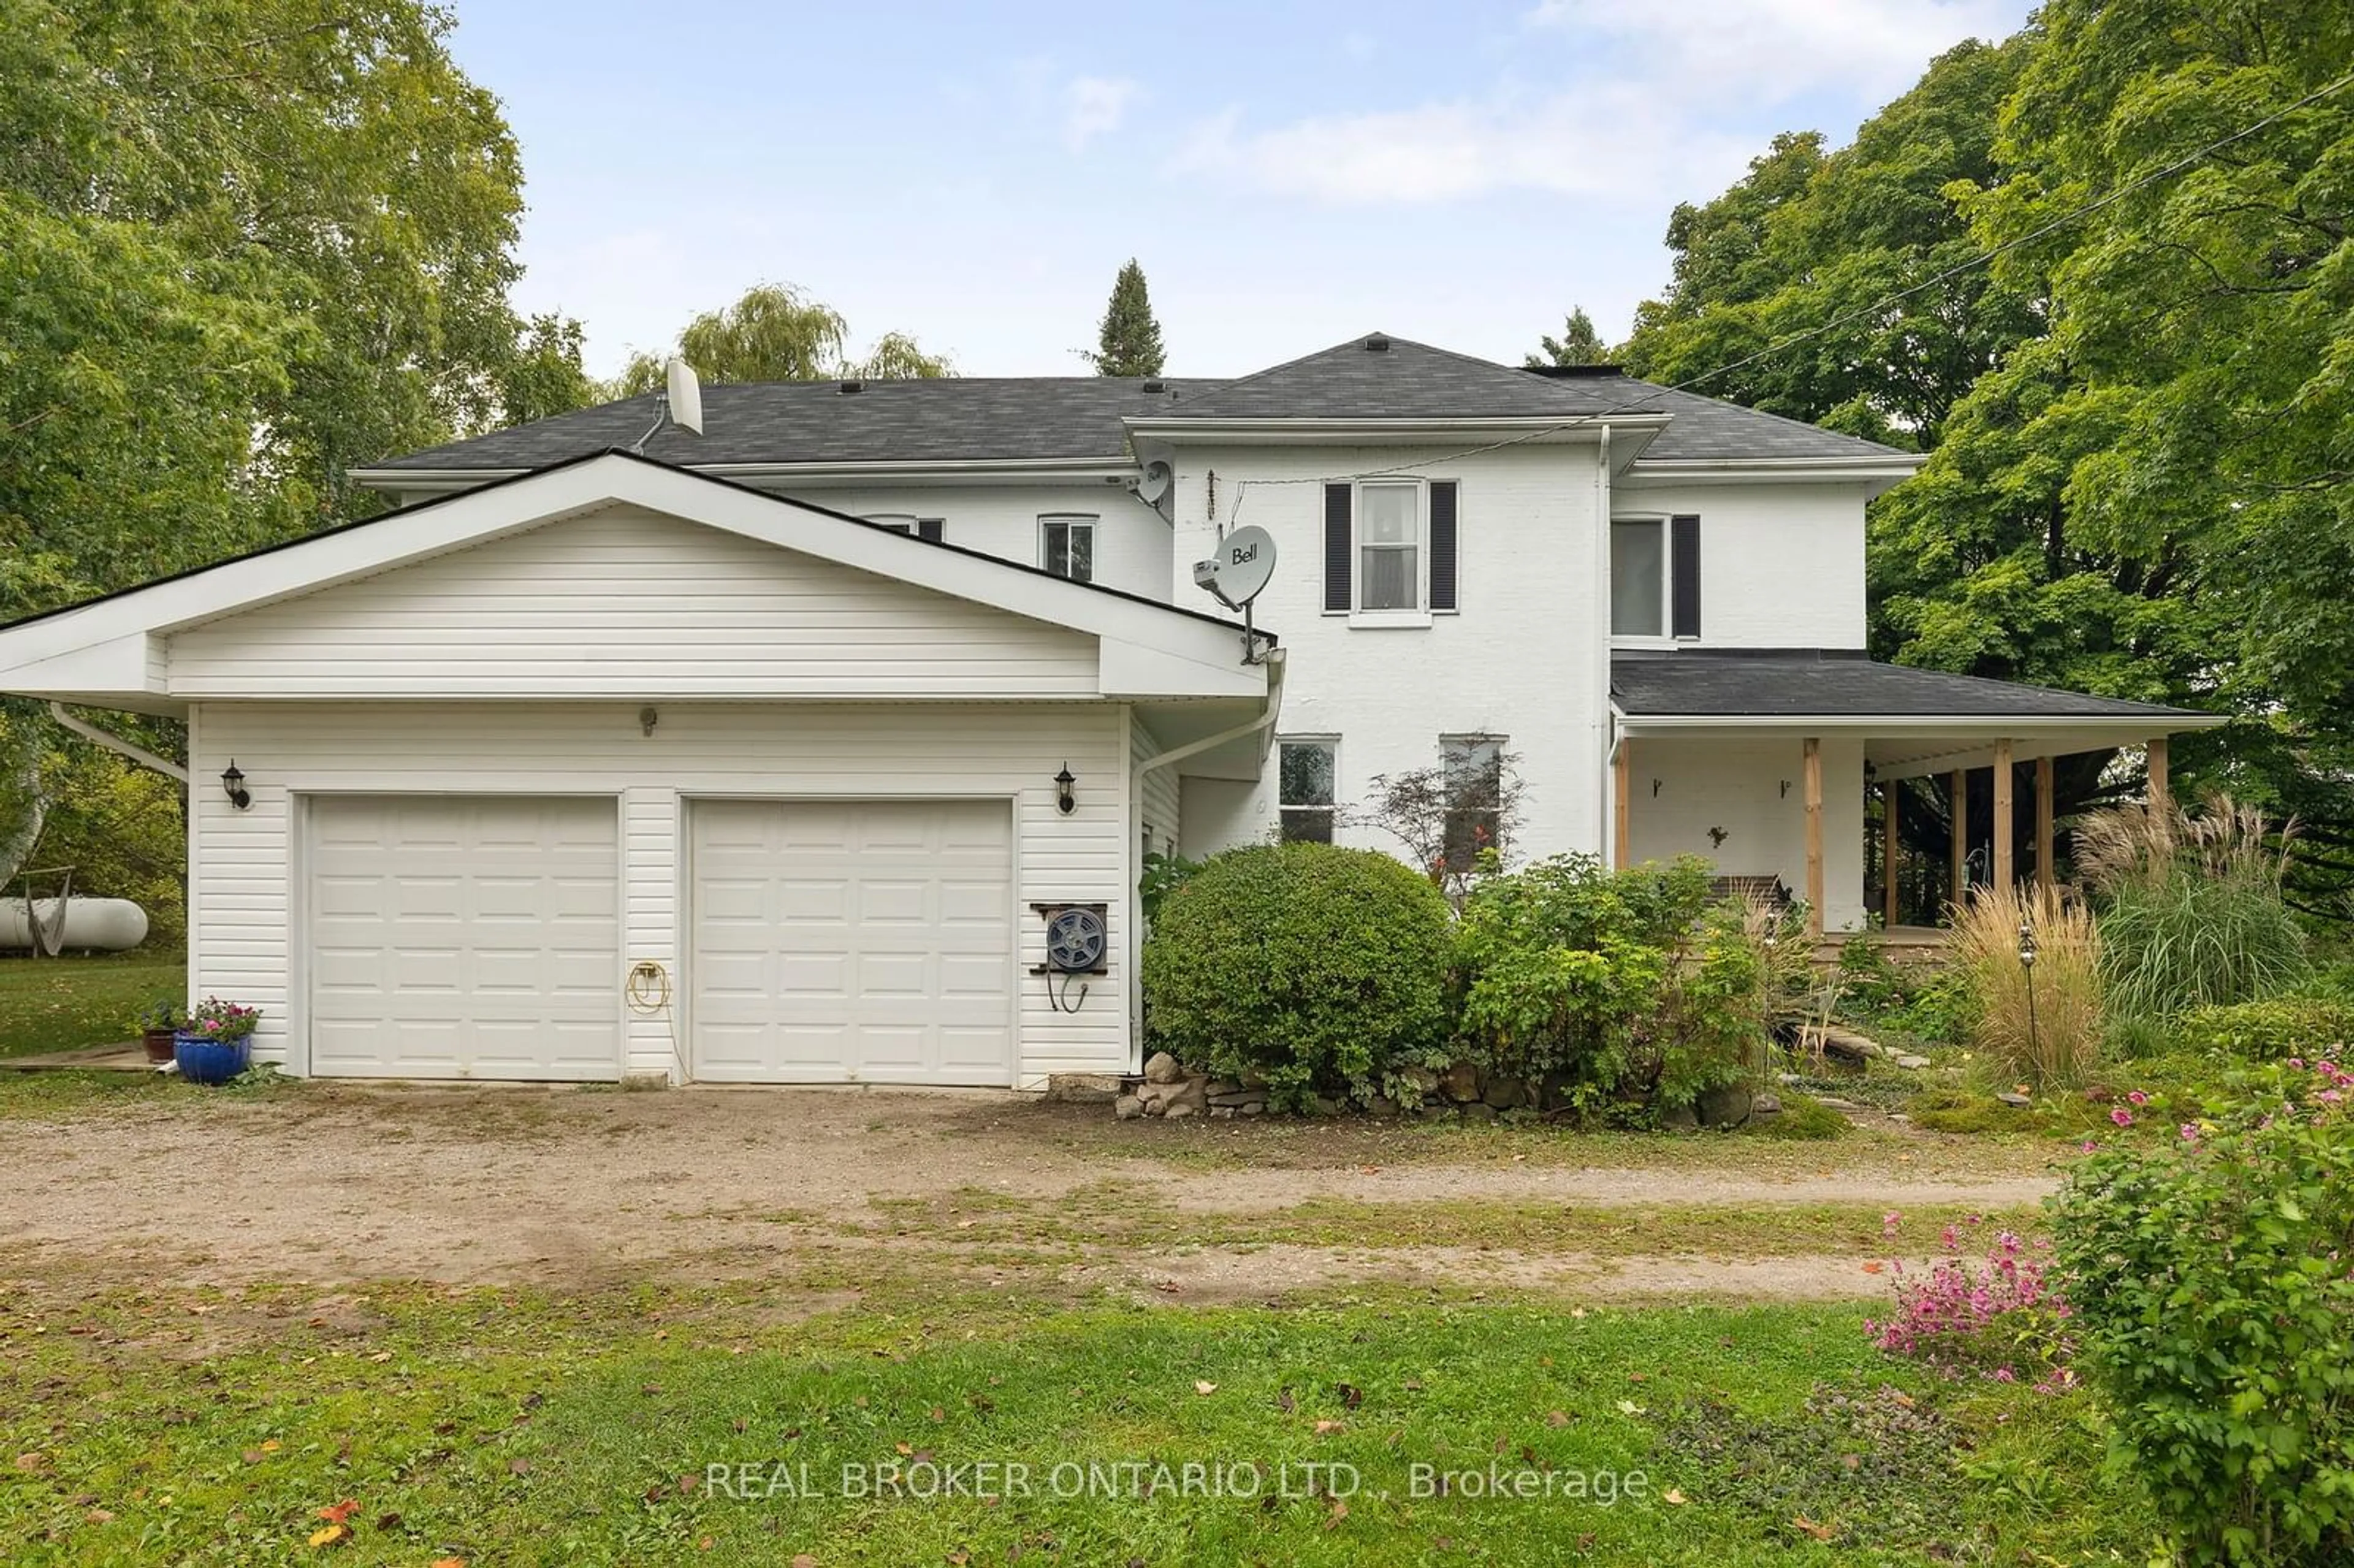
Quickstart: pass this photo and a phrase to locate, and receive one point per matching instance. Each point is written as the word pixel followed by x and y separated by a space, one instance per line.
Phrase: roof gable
pixel 1379 376
pixel 107 649
pixel 625 602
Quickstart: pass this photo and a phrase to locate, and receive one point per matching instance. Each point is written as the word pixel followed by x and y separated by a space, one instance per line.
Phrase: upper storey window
pixel 1389 550
pixel 1067 546
pixel 1389 547
pixel 1655 577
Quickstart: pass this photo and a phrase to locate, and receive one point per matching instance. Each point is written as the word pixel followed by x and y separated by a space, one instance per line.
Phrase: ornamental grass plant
pixel 2042 1022
pixel 2190 906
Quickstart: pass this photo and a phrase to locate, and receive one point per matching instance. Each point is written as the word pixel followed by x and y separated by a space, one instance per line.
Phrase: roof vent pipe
pixel 849 387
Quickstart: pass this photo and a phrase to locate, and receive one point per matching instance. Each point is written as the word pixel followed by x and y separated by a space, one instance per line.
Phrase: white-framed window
pixel 1638 576
pixel 1472 767
pixel 1066 545
pixel 1308 777
pixel 907 523
pixel 1392 557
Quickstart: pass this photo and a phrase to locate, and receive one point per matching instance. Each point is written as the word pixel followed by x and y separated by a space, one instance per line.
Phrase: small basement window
pixel 1067 546
pixel 1308 774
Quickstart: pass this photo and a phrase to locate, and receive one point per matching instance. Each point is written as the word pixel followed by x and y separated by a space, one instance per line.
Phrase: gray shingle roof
pixel 980 418
pixel 1761 683
pixel 952 420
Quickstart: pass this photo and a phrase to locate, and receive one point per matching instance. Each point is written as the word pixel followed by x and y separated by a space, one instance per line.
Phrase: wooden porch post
pixel 1814 789
pixel 2004 870
pixel 1957 787
pixel 1621 788
pixel 1890 794
pixel 2044 876
pixel 2160 794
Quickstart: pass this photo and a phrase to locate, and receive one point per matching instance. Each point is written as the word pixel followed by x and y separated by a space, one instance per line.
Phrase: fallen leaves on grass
pixel 1672 1496
pixel 1204 1387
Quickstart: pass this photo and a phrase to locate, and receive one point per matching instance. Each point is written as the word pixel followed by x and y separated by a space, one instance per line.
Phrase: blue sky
pixel 1288 174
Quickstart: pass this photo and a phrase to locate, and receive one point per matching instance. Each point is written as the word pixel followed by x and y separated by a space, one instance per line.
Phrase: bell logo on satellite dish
pixel 1240 571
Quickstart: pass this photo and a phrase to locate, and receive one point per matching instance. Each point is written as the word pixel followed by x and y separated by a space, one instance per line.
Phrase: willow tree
pixel 777 332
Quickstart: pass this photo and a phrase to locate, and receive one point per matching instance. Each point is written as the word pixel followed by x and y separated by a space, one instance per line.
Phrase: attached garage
pixel 861 942
pixel 463 936
pixel 614 771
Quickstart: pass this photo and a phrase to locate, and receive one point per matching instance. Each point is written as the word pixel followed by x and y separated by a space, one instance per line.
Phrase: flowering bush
pixel 221 1021
pixel 2003 1319
pixel 2212 1278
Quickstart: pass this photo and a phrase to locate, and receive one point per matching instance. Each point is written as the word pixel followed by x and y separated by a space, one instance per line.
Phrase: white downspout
pixel 1605 741
pixel 116 744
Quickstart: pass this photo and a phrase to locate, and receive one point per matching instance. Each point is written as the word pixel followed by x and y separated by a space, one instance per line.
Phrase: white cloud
pixel 1611 141
pixel 1093 106
pixel 1768 51
pixel 1650 96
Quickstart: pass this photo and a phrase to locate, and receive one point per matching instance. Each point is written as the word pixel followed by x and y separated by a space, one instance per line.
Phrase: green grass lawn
pixel 496 1426
pixel 61 1005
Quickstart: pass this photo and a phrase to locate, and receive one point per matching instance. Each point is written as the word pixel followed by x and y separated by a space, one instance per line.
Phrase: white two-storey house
pixel 826 743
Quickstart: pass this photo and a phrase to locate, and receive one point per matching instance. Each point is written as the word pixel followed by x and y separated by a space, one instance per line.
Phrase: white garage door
pixel 840 942
pixel 464 936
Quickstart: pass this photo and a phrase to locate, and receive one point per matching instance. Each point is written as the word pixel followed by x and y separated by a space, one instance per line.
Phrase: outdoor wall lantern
pixel 233 781
pixel 1064 801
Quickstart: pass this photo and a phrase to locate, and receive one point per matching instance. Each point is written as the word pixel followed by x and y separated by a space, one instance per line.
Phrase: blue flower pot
pixel 211 1061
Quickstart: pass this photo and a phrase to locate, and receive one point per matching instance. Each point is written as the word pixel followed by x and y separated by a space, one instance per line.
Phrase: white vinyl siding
pixel 245 867
pixel 1157 829
pixel 624 601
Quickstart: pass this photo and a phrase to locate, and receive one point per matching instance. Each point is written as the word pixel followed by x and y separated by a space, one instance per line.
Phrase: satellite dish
pixel 1240 570
pixel 685 396
pixel 1155 482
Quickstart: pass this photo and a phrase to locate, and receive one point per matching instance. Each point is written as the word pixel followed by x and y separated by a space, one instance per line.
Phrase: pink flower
pixel 1950 1238
pixel 2297 1063
pixel 2190 1132
pixel 2122 1117
pixel 1888 1221
pixel 2137 1097
pixel 2090 1144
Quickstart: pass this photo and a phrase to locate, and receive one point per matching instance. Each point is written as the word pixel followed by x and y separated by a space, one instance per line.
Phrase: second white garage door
pixel 853 942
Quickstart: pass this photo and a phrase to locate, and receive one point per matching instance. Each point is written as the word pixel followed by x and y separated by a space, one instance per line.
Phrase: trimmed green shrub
pixel 1319 969
pixel 2213 1307
pixel 2269 1030
pixel 1625 984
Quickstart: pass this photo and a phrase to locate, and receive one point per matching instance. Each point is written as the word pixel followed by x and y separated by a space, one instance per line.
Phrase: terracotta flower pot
pixel 159 1043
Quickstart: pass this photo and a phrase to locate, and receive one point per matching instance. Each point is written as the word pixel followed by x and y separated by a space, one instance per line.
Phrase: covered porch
pixel 1815 770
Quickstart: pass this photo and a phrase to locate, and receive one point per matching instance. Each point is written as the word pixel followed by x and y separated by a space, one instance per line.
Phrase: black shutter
pixel 929 528
pixel 1683 595
pixel 1338 544
pixel 1442 543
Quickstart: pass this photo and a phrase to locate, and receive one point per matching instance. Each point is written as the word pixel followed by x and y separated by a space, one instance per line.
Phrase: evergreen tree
pixel 1579 344
pixel 1129 342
